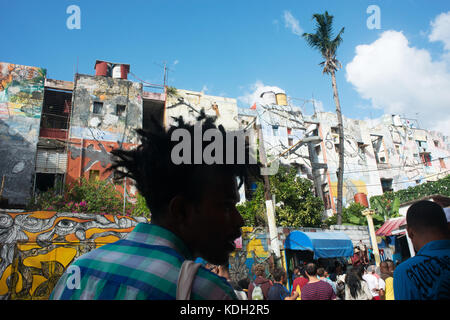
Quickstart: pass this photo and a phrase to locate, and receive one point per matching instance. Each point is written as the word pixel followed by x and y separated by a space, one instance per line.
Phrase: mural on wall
pixel 106 109
pixel 21 99
pixel 36 247
pixel 94 155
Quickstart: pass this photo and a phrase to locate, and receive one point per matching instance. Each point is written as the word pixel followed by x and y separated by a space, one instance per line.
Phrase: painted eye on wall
pixel 65 226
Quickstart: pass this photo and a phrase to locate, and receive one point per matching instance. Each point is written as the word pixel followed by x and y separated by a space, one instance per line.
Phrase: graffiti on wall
pixel 106 109
pixel 21 99
pixel 36 247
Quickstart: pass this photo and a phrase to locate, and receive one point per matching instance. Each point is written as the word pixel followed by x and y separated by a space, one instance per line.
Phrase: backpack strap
pixel 186 277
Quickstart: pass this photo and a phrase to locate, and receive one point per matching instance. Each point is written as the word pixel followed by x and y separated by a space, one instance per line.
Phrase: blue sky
pixel 230 47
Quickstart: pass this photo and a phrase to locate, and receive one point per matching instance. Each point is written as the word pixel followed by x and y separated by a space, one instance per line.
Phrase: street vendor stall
pixel 303 247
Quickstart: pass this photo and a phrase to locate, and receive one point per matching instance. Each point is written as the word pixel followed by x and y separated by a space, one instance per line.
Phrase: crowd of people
pixel 361 278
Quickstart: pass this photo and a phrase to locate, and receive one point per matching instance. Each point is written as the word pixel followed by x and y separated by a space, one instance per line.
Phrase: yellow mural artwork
pixel 350 188
pixel 36 247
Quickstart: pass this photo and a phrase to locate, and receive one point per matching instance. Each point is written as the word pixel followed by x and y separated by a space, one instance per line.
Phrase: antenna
pixel 166 72
pixel 313 103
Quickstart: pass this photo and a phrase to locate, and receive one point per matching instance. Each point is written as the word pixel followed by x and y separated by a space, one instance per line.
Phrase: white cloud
pixel 291 23
pixel 401 79
pixel 175 62
pixel 254 95
pixel 441 30
pixel 204 88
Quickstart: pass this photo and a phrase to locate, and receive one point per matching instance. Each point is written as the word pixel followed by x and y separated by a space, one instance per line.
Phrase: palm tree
pixel 322 41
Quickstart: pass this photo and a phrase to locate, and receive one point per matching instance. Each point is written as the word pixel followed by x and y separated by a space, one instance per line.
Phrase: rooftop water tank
pixel 268 97
pixel 281 99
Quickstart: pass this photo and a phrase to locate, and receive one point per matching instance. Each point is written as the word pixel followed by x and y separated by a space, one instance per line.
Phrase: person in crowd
pixel 376 284
pixel 426 276
pixel 365 255
pixel 299 282
pixel 278 291
pixel 338 271
pixel 193 214
pixel 324 276
pixel 244 283
pixel 356 259
pixel 387 274
pixel 296 273
pixel 355 287
pixel 224 271
pixel 259 271
pixel 316 289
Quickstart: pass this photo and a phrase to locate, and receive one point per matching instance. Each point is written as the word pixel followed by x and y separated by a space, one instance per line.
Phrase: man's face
pixel 215 222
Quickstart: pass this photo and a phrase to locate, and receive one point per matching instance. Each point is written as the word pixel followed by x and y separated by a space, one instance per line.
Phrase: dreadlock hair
pixel 158 179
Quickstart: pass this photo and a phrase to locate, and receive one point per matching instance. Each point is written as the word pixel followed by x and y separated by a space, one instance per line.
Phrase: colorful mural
pixel 21 99
pixel 36 247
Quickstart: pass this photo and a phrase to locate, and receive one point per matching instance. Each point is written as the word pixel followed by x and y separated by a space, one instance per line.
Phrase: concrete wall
pixel 106 126
pixel 21 99
pixel 178 105
pixel 93 136
pixel 360 169
pixel 403 163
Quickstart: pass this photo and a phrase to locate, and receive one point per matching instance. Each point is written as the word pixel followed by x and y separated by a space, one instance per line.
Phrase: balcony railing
pixel 53 133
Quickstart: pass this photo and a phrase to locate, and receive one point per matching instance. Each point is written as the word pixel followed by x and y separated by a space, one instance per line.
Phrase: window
pixel 386 185
pixel 334 130
pixel 426 159
pixel 336 147
pixel 436 143
pixel 290 142
pixel 442 163
pixel 397 148
pixel 317 149
pixel 315 132
pixel 120 110
pixel 98 106
pixel 94 175
pixel 275 130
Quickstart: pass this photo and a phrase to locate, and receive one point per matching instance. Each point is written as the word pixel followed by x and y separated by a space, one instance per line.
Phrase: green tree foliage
pixel 352 215
pixel 387 200
pixel 296 204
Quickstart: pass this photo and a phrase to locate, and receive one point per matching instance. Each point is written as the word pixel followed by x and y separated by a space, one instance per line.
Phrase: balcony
pixel 53 133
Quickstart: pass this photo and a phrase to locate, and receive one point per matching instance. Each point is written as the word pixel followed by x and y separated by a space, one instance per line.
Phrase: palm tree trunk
pixel 341 150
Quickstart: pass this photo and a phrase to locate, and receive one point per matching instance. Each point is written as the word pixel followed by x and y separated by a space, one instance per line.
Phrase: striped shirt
pixel 319 290
pixel 143 266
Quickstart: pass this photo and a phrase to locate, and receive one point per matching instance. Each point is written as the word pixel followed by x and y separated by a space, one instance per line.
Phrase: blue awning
pixel 324 244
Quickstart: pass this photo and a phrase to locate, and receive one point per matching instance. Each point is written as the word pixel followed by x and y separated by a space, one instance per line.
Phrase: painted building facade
pixel 387 155
pixel 21 100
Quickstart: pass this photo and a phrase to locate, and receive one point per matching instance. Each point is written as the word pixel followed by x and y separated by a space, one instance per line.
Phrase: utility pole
pixel 270 204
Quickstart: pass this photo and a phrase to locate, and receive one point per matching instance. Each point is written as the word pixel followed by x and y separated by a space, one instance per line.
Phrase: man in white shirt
pixel 377 285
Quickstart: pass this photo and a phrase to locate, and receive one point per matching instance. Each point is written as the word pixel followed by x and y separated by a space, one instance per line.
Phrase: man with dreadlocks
pixel 193 214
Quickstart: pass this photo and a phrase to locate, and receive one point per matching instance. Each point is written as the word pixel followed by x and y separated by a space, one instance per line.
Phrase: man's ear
pixel 177 210
pixel 411 233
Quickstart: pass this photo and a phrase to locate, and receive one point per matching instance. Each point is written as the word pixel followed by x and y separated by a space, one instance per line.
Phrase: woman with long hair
pixel 355 287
